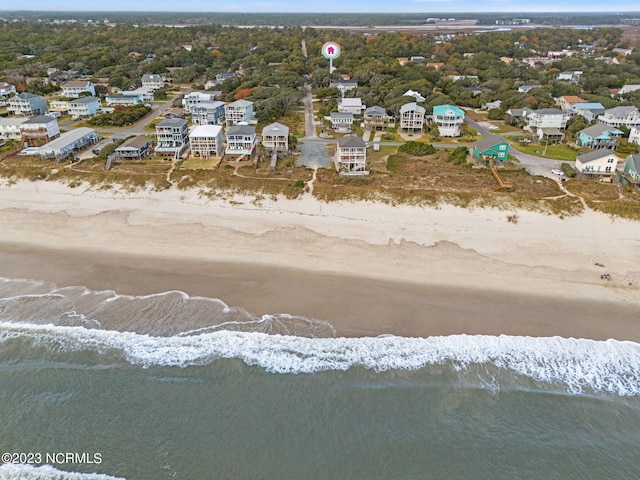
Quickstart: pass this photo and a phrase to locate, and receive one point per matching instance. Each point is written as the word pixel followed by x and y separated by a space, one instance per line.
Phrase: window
pixel 503 147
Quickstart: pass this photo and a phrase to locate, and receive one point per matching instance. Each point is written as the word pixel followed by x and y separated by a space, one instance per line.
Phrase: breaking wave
pixel 577 365
pixel 10 471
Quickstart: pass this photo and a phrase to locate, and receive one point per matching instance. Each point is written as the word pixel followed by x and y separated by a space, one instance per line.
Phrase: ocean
pixel 280 397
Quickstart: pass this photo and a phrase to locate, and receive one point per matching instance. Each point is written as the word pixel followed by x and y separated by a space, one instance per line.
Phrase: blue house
pixel 599 136
pixel 589 110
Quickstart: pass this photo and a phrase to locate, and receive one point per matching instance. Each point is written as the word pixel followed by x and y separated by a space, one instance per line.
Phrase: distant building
pixel 27 104
pixel 208 113
pixel 634 135
pixel 376 118
pixel 221 77
pixel 528 88
pixel 152 81
pixel 123 100
pixel 588 110
pixel 206 141
pixel 84 107
pixel 547 118
pixel 566 102
pixel 75 88
pixel 10 128
pixel 194 99
pixel 240 111
pixel 415 95
pixel 344 85
pixel 351 105
pixel 412 117
pixel 628 89
pixel 341 122
pixel 573 76
pixel 6 89
pixel 618 116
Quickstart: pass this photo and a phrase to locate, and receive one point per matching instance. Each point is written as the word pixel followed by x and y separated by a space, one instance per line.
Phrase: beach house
pixel 597 163
pixel 84 107
pixel 27 104
pixel 351 157
pixel 629 116
pixel 123 100
pixel 75 88
pixel 344 85
pixel 194 99
pixel 10 128
pixel 448 119
pixel 206 141
pixel 241 140
pixel 412 117
pixel 634 135
pixel 68 143
pixel 152 81
pixel 341 122
pixel 240 111
pixel 275 137
pixel 39 130
pixel 351 105
pixel 172 137
pixel 631 172
pixel 6 89
pixel 376 118
pixel 493 148
pixel 547 118
pixel 207 113
pixel 135 148
pixel 599 136
pixel 588 110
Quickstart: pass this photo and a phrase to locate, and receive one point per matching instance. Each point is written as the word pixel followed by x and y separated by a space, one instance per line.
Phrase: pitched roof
pixel 594 155
pixel 636 161
pixel 488 143
pixel 206 131
pixel 241 130
pixel 341 115
pixel 351 102
pixel 598 129
pixel 446 110
pixel 85 100
pixel 549 111
pixel 621 111
pixel 573 99
pixel 351 141
pixel 76 84
pixel 26 96
pixel 172 122
pixel 412 106
pixel 241 103
pixel 375 110
pixel 136 142
pixel 278 127
pixel 41 119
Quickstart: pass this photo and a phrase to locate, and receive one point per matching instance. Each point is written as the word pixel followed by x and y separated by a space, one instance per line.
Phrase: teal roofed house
pixel 493 147
pixel 631 174
pixel 599 136
pixel 448 118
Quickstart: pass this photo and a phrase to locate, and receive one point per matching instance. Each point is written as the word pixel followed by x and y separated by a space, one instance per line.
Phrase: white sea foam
pixel 10 471
pixel 576 365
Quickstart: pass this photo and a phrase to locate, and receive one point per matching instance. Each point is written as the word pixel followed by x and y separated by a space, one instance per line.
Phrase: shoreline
pixel 368 269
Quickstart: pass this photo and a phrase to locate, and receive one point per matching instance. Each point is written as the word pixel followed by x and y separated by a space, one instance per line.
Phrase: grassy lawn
pixel 197 163
pixel 556 152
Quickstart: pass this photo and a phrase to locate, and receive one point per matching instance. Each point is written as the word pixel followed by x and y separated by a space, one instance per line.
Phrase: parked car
pixel 95 151
pixel 557 171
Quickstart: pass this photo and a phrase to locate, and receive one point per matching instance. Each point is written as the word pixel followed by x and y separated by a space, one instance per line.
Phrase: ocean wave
pixel 167 313
pixel 578 365
pixel 11 471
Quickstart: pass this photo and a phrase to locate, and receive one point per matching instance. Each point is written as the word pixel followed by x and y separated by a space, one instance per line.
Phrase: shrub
pixel 568 170
pixel 419 149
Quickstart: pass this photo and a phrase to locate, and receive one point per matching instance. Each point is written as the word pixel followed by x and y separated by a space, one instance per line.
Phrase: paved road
pixel 534 165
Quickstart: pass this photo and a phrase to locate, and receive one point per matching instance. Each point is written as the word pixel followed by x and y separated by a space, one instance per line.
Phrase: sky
pixel 332 6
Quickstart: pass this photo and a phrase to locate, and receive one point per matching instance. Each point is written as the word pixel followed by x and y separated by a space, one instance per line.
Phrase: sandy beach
pixel 366 268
